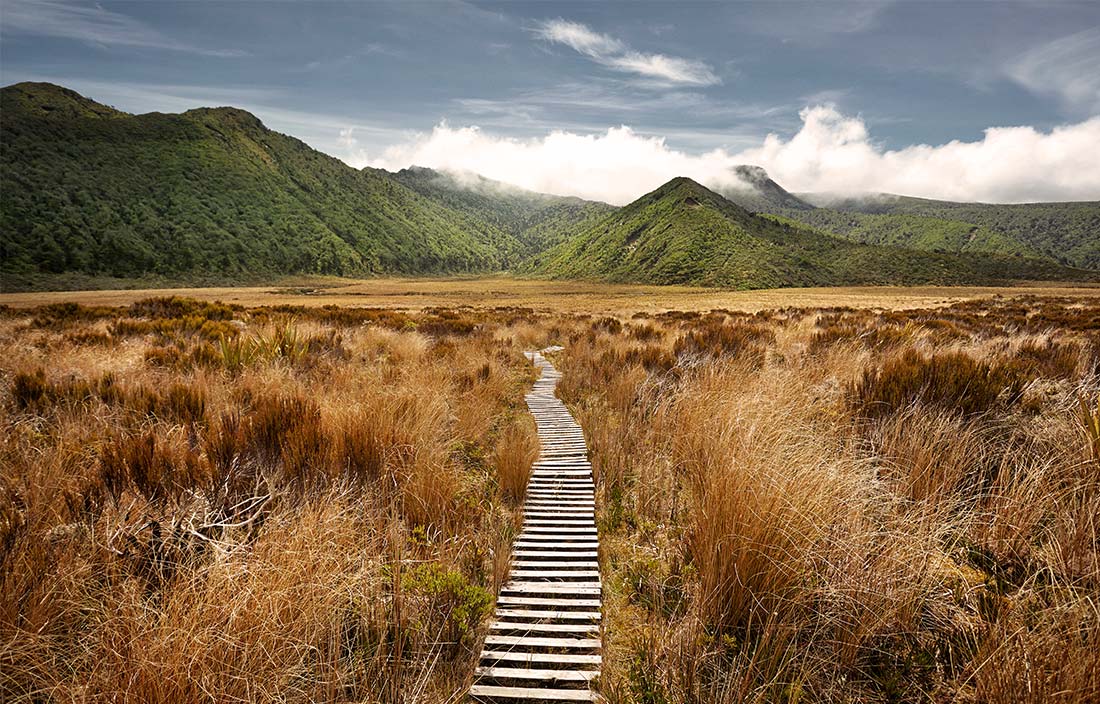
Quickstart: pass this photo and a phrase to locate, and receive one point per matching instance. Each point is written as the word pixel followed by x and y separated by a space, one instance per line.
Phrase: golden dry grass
pixel 563 296
pixel 320 519
pixel 883 500
pixel 861 507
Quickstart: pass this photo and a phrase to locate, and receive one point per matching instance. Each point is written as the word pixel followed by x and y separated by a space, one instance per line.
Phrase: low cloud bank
pixel 831 152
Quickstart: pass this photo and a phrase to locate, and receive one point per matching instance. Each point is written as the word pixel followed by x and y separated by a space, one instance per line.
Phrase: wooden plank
pixel 537 694
pixel 577 550
pixel 580 563
pixel 554 574
pixel 507 600
pixel 525 673
pixel 532 658
pixel 564 555
pixel 563 513
pixel 551 522
pixel 544 642
pixel 563 482
pixel 560 486
pixel 579 490
pixel 566 551
pixel 575 474
pixel 564 472
pixel 558 589
pixel 549 615
pixel 583 628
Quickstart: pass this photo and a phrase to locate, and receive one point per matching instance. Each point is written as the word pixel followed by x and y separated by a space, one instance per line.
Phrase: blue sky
pixel 388 84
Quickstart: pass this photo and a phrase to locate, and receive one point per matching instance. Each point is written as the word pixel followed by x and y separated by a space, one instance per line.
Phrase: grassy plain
pixel 562 296
pixel 841 495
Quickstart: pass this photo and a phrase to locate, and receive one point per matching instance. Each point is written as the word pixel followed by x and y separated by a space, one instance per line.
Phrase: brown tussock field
pixel 888 499
pixel 550 296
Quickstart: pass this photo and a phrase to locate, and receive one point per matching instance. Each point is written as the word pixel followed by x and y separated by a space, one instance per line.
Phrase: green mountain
pixel 683 233
pixel 1068 233
pixel 212 194
pixel 924 233
pixel 537 220
pixel 211 191
pixel 755 191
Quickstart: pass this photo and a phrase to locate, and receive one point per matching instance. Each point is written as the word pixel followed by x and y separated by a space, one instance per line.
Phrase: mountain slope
pixel 89 189
pixel 683 233
pixel 755 191
pixel 537 220
pixel 1065 232
pixel 928 234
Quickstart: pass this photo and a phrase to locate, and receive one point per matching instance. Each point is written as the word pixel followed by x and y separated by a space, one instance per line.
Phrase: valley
pixel 873 498
pixel 274 428
pixel 417 293
pixel 95 197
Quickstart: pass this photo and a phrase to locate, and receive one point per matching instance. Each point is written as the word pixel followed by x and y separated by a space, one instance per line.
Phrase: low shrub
pixel 455 601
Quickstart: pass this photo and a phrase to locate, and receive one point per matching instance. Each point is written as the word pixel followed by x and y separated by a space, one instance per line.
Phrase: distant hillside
pixel 929 234
pixel 683 233
pixel 1065 232
pixel 755 191
pixel 89 189
pixel 90 192
pixel 537 220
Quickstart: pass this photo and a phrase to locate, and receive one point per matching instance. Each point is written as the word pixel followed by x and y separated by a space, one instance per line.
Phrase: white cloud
pixel 1068 68
pixel 579 37
pixel 830 152
pixel 664 68
pixel 614 54
pixel 95 25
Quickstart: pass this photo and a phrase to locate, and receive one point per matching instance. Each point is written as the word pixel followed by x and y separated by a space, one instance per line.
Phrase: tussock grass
pixel 317 503
pixel 886 506
pixel 310 513
pixel 516 451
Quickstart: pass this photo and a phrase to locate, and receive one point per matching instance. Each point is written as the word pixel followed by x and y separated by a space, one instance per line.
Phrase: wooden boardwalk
pixel 544 643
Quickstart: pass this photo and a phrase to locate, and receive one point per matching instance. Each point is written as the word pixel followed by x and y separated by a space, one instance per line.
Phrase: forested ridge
pixel 211 194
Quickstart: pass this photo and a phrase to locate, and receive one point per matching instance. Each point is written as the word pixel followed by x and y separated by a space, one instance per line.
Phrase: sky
pixel 990 101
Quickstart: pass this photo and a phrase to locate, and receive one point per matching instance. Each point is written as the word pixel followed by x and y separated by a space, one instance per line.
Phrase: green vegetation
pixel 537 220
pixel 683 233
pixel 88 189
pixel 94 197
pixel 912 232
pixel 1068 233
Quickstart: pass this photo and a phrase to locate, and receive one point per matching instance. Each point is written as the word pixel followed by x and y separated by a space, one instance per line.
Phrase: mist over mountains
pixel 211 193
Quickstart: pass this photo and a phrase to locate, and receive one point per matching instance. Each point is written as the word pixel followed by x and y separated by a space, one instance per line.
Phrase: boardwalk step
pixel 524 673
pixel 550 615
pixel 481 692
pixel 511 626
pixel 541 658
pixel 506 600
pixel 544 642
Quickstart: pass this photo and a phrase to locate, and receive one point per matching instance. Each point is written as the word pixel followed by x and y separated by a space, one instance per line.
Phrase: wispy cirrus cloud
pixel 616 55
pixel 1065 68
pixel 95 25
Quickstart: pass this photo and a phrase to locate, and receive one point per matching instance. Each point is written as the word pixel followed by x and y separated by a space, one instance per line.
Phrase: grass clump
pixel 953 381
